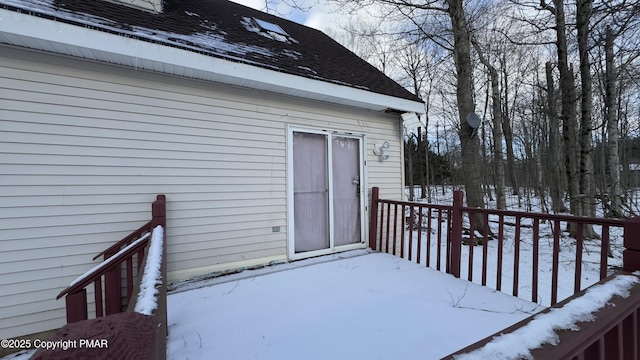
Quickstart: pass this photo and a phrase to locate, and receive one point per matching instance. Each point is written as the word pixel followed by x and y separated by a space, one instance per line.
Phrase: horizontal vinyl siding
pixel 84 149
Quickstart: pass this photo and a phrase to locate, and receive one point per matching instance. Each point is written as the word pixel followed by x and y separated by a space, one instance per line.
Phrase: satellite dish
pixel 473 120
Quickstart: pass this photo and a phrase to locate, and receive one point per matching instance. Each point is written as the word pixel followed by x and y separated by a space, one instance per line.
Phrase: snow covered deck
pixel 354 305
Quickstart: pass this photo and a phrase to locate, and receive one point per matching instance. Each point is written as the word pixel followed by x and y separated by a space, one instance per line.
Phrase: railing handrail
pixel 126 240
pixel 537 215
pixel 102 268
pixel 513 213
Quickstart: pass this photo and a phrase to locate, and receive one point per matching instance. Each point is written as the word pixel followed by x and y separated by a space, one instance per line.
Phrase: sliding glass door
pixel 327 171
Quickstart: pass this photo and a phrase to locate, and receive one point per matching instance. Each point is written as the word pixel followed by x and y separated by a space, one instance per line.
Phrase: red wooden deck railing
pixel 127 334
pixel 389 232
pixel 116 269
pixel 613 334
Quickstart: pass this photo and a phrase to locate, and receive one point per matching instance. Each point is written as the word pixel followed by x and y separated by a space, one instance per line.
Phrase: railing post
pixel 77 306
pixel 159 212
pixel 456 233
pixel 373 213
pixel 631 254
pixel 112 290
pixel 159 217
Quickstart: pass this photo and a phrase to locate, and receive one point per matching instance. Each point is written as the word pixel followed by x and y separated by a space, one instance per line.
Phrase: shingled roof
pixel 225 30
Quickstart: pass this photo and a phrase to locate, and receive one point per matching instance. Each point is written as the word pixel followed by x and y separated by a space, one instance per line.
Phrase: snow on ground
pixel 374 306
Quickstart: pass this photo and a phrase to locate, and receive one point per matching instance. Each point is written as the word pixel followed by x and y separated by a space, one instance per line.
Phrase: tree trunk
pixel 587 185
pixel 464 95
pixel 613 159
pixel 423 172
pixel 568 114
pixel 496 110
pixel 508 135
pixel 554 144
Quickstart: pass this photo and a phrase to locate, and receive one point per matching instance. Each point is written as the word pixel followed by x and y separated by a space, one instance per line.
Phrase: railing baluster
pixel 395 227
pixel 555 261
pixel 428 252
pixel 439 250
pixel 536 240
pixel 381 222
pixel 403 218
pixel 97 287
pixel 579 243
pixel 379 230
pixel 129 278
pixel 500 250
pixel 419 233
pixel 619 331
pixel 388 224
pixel 631 327
pixel 112 290
pixel 604 251
pixel 472 240
pixel 411 214
pixel 448 241
pixel 485 245
pixel 516 257
pixel 140 257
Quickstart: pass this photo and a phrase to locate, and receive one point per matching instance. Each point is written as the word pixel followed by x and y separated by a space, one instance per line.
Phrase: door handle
pixel 356 181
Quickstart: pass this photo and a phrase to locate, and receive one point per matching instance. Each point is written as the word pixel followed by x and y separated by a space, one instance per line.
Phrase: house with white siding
pixel 264 135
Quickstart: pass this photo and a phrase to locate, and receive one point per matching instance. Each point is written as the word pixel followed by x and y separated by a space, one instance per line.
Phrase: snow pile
pixel 109 260
pixel 147 302
pixel 542 328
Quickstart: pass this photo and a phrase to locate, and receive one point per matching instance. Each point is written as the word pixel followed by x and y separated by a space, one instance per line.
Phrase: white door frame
pixel 363 192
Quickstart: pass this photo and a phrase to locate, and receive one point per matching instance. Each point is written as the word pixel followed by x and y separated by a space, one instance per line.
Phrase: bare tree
pixel 568 112
pixel 496 111
pixel 466 106
pixel 554 143
pixel 586 182
pixel 611 113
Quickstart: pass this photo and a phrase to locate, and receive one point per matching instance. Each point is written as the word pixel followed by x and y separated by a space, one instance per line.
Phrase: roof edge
pixel 24 30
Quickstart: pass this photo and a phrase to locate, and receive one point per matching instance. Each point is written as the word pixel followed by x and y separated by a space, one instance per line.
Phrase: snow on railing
pixel 117 273
pixel 147 299
pixel 109 261
pixel 599 320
